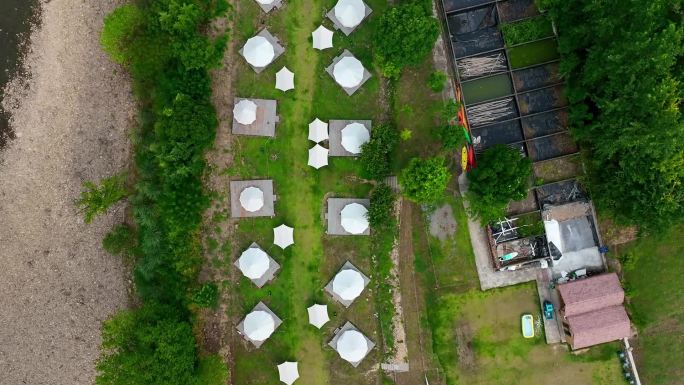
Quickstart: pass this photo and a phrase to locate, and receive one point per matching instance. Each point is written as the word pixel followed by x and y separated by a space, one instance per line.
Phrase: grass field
pixel 653 268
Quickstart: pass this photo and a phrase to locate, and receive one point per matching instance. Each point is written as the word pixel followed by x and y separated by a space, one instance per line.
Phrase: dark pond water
pixel 16 18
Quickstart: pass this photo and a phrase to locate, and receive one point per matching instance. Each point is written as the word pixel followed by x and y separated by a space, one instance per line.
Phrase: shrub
pixel 119 241
pixel 424 180
pixel 406 134
pixel 119 31
pixel 97 199
pixel 452 136
pixel 381 211
pixel 527 30
pixel 375 154
pixel 206 296
pixel 437 80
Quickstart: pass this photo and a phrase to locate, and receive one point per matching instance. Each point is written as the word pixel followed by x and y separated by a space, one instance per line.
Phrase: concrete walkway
pixel 553 329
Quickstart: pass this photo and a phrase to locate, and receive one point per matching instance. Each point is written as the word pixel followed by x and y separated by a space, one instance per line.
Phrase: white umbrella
pixel 348 284
pixel 350 13
pixel 284 79
pixel 318 315
pixel 283 236
pixel 322 38
pixel 354 135
pixel 288 372
pixel 258 51
pixel 265 2
pixel 348 72
pixel 318 156
pixel 354 218
pixel 245 112
pixel 259 325
pixel 352 346
pixel 252 199
pixel 254 263
pixel 318 131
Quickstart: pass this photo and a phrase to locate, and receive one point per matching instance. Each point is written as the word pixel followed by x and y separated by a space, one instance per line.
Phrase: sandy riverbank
pixel 56 282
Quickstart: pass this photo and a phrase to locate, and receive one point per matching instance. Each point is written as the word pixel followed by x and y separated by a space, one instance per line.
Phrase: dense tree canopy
pixel 624 65
pixel 501 175
pixel 424 180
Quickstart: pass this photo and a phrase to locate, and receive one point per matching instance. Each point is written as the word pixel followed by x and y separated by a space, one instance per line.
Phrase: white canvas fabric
pixel 284 79
pixel 265 2
pixel 354 218
pixel 354 135
pixel 252 199
pixel 553 233
pixel 318 130
pixel 254 263
pixel 245 112
pixel 283 236
pixel 322 38
pixel 348 72
pixel 258 51
pixel 259 325
pixel 348 284
pixel 318 315
pixel 288 372
pixel 350 13
pixel 352 346
pixel 318 156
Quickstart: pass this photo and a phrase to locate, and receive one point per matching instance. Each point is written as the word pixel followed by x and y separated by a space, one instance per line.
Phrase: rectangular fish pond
pixel 529 54
pixel 487 88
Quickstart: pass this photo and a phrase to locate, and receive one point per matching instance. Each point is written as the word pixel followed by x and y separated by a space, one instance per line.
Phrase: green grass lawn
pixel 653 268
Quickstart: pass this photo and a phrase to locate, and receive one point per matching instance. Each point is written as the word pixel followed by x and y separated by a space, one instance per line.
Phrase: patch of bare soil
pixel 442 222
pixel 70 117
pixel 614 234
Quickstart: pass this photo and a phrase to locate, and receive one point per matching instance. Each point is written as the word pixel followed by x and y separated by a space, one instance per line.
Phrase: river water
pixel 16 18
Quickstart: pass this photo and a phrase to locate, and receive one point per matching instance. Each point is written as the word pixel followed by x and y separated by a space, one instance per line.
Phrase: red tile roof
pixel 599 326
pixel 589 294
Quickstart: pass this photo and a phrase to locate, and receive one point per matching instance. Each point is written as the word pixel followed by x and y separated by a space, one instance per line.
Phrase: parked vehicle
pixel 548 309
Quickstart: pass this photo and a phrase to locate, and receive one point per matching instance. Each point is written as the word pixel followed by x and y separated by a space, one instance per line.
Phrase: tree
pixel 404 37
pixel 375 154
pixel 501 175
pixel 381 211
pixel 97 199
pixel 424 180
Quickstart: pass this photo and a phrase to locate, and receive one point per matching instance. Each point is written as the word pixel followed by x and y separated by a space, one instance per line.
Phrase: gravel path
pixel 56 282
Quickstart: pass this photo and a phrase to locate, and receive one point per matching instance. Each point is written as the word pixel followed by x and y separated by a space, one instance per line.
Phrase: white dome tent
pixel 348 284
pixel 348 72
pixel 318 315
pixel 318 130
pixel 350 13
pixel 254 263
pixel 258 51
pixel 318 156
pixel 284 79
pixel 354 135
pixel 245 112
pixel 252 199
pixel 259 325
pixel 352 346
pixel 283 236
pixel 288 372
pixel 354 218
pixel 322 38
pixel 265 2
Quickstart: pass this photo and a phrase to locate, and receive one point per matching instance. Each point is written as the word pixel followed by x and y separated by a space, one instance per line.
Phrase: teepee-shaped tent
pixel 288 372
pixel 348 284
pixel 252 199
pixel 284 79
pixel 348 72
pixel 245 112
pixel 318 315
pixel 318 156
pixel 254 263
pixel 318 131
pixel 283 236
pixel 322 38
pixel 350 13
pixel 259 325
pixel 352 346
pixel 354 135
pixel 258 51
pixel 354 218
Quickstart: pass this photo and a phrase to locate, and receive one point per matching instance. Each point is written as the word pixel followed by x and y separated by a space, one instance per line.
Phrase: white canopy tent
pixel 288 372
pixel 258 51
pixel 265 2
pixel 283 236
pixel 318 156
pixel 348 284
pixel 354 218
pixel 245 112
pixel 354 135
pixel 553 233
pixel 348 72
pixel 254 263
pixel 352 346
pixel 252 199
pixel 318 315
pixel 284 79
pixel 350 13
pixel 322 38
pixel 259 325
pixel 318 131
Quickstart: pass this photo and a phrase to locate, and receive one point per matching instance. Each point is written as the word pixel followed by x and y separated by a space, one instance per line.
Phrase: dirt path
pixel 57 283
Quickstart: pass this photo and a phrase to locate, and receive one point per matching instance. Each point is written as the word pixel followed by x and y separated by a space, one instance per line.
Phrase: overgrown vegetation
pixel 120 241
pixel 97 199
pixel 527 30
pixel 424 180
pixel 160 42
pixel 501 176
pixel 437 80
pixel 375 154
pixel 625 90
pixel 380 212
